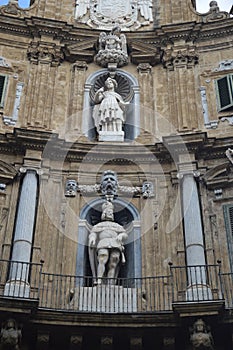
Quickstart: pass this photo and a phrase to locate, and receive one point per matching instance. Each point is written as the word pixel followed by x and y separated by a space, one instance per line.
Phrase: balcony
pixel 190 285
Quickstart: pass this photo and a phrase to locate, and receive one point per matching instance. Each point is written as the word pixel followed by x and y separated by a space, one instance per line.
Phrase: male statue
pixel 106 246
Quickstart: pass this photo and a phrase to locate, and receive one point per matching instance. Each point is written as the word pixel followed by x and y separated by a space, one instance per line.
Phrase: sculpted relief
pixel 104 14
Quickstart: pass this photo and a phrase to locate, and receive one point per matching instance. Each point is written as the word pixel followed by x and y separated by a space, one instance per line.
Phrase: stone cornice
pixel 165 152
pixel 146 46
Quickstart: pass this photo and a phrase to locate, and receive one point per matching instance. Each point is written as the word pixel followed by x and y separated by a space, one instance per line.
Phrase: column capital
pixel 144 68
pixel 80 65
pixel 194 173
pixel 24 170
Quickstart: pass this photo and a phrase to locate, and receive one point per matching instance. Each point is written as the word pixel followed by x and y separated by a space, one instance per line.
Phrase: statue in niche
pixel 10 336
pixel 108 112
pixel 201 338
pixel 106 249
pixel 112 49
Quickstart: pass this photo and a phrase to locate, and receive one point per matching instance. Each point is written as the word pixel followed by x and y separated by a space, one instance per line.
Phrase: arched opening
pixel 127 216
pixel 128 89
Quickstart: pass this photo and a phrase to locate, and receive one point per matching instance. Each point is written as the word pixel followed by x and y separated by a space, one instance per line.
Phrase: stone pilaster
pixel 74 123
pixel 145 80
pixel 180 64
pixel 44 58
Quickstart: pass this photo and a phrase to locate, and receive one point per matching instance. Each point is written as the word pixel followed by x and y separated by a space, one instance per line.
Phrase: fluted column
pixel 197 288
pixel 23 237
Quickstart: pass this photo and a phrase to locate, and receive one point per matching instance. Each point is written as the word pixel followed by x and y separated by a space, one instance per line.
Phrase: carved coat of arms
pixel 104 14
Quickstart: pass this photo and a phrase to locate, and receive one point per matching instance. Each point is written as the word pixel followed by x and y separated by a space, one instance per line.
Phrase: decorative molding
pixel 112 49
pixel 12 120
pixel 80 65
pixel 42 52
pixel 109 187
pixel 183 58
pixel 214 13
pixel 224 65
pixel 71 188
pixel 76 339
pixel 4 63
pixel 107 341
pixel 11 9
pixel 218 193
pixel 169 342
pixel 213 124
pixel 144 68
pixel 135 342
pixel 229 119
pixel 229 154
pixel 43 338
pixel 99 15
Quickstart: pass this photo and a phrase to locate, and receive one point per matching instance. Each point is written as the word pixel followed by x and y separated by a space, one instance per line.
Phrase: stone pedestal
pixel 114 136
pixel 102 298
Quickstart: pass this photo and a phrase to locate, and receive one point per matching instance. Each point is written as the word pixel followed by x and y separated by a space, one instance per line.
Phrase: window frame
pixel 229 83
pixel 4 90
pixel 228 219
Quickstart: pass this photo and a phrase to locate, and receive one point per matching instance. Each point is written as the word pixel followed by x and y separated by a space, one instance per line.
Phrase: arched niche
pixel 126 215
pixel 128 88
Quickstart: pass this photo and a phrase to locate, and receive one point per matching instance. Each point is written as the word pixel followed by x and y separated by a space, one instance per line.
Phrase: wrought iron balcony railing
pixel 185 284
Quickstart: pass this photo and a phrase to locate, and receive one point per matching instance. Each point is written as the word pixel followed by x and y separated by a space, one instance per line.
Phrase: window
pixel 224 87
pixel 3 85
pixel 228 216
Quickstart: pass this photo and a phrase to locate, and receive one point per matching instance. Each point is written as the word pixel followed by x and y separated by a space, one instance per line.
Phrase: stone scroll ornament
pixel 104 14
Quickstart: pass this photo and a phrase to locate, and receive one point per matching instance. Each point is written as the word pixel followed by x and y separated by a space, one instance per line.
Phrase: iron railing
pixel 122 295
pixel 112 295
pixel 196 283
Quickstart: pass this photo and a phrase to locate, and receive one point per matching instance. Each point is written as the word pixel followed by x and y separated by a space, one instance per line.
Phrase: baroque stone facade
pixel 116 175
